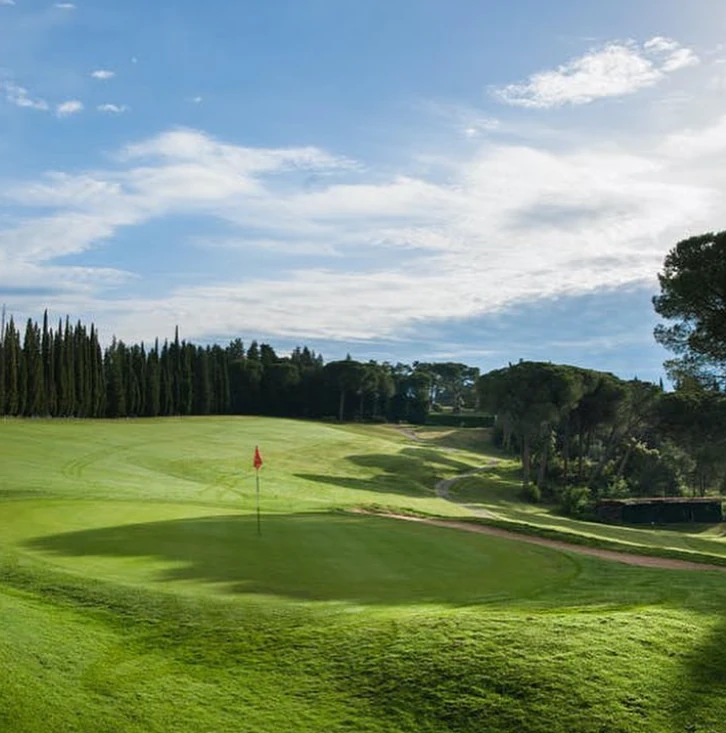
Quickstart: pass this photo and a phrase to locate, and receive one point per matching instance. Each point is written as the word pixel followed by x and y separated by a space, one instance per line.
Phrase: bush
pixel 575 501
pixel 531 493
pixel 617 488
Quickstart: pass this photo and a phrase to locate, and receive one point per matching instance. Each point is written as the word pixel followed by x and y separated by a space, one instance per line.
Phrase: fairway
pixel 137 595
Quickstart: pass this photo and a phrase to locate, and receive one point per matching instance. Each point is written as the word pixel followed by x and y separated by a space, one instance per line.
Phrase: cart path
pixel 442 491
pixel 645 561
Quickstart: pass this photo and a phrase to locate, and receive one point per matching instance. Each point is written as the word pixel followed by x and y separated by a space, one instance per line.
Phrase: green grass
pixel 135 594
pixel 497 488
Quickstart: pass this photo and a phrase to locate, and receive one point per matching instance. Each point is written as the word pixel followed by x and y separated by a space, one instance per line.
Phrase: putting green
pixel 316 557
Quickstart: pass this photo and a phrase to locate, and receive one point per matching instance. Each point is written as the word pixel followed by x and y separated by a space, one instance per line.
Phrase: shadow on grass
pixel 700 682
pixel 476 440
pixel 429 455
pixel 496 485
pixel 320 557
pixel 411 472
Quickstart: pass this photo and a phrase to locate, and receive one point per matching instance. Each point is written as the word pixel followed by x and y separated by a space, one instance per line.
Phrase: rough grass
pixel 497 489
pixel 135 595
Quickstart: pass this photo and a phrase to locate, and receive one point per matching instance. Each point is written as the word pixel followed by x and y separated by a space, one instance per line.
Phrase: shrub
pixel 531 493
pixel 575 501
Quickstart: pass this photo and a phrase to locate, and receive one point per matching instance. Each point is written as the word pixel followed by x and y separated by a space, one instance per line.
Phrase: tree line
pixel 63 371
pixel 584 435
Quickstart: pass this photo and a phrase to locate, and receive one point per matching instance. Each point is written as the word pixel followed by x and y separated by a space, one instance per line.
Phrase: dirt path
pixel 442 491
pixel 645 561
pixel 442 487
pixel 409 433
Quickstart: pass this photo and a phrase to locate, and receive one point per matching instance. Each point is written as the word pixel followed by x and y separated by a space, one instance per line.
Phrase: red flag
pixel 257 462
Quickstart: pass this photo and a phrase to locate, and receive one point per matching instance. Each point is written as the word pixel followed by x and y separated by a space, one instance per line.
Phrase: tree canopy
pixel 693 300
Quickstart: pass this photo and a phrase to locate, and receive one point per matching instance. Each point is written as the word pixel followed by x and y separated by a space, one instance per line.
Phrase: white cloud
pixel 469 122
pixel 661 44
pixel 115 109
pixel 103 74
pixel 71 107
pixel 196 100
pixel 614 70
pixel 680 59
pixel 512 223
pixel 65 6
pixel 20 97
pixel 7 2
pixel 695 144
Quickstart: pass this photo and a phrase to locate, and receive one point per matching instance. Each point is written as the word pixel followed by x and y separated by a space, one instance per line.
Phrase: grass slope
pixel 497 489
pixel 135 594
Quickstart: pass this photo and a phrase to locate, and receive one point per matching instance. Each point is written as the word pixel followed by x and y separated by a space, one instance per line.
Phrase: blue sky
pixel 419 179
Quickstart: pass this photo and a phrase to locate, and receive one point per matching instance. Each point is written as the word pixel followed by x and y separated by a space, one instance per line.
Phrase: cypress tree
pixel 33 363
pixel 61 378
pixel 131 381
pixel 3 402
pixel 12 369
pixel 95 374
pixel 115 387
pixel 142 365
pixel 167 388
pixel 46 348
pixel 68 371
pixel 153 382
pixel 80 381
pixel 186 386
pixel 175 372
pixel 203 392
pixel 22 376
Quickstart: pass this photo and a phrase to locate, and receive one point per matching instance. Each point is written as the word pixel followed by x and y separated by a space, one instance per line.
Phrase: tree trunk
pixel 543 461
pixel 506 433
pixel 580 450
pixel 604 458
pixel 341 406
pixel 624 461
pixel 525 460
pixel 566 452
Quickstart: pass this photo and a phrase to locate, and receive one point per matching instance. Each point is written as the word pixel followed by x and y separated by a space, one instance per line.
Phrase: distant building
pixel 670 510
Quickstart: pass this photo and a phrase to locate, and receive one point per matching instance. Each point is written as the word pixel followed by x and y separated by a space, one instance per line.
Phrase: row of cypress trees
pixel 63 371
pixel 51 372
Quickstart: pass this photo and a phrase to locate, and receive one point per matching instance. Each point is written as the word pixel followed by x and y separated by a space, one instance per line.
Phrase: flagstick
pixel 259 528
